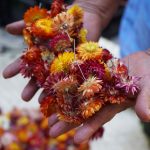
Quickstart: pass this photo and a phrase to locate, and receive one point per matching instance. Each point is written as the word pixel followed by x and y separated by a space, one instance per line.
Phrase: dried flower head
pixel 56 7
pixel 28 38
pixel 66 85
pixel 93 68
pixel 129 84
pixel 64 23
pixel 90 107
pixel 89 50
pixel 77 13
pixel 116 67
pixel 47 106
pixel 47 56
pixel 43 28
pixel 34 14
pixel 62 62
pixel 83 35
pixel 32 54
pixel 60 42
pixel 91 86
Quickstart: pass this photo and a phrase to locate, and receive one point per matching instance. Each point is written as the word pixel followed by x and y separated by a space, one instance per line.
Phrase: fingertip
pixel 5 74
pixel 52 120
pixel 25 96
pixel 42 96
pixel 142 106
pixel 15 27
pixel 30 90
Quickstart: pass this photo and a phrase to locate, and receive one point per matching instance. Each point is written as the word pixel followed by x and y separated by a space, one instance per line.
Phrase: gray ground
pixel 124 132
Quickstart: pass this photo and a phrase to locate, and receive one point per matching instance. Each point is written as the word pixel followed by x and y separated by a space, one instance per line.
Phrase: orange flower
pixel 34 14
pixel 32 54
pixel 68 84
pixel 43 28
pixel 89 50
pixel 64 22
pixel 77 13
pixel 47 106
pixel 91 107
pixel 27 37
pixel 90 87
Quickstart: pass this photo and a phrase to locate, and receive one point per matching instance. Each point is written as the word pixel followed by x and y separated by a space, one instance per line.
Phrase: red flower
pixel 60 42
pixel 47 106
pixel 92 67
pixel 56 7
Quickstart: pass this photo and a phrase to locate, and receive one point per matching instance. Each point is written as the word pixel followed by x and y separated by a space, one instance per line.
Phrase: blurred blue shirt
pixel 135 27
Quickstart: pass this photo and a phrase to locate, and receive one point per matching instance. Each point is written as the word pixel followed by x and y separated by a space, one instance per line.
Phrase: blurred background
pixel 124 132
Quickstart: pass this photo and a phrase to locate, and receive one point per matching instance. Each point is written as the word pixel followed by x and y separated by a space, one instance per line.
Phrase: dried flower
pixel 64 23
pixel 48 106
pixel 89 50
pixel 56 7
pixel 93 68
pixel 77 13
pixel 43 28
pixel 27 37
pixel 91 86
pixel 129 84
pixel 62 62
pixel 34 14
pixel 117 67
pixel 90 107
pixel 83 35
pixel 66 85
pixel 60 42
pixel 47 56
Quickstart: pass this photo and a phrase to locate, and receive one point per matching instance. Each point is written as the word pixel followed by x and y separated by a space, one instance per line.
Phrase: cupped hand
pixel 13 69
pixel 87 129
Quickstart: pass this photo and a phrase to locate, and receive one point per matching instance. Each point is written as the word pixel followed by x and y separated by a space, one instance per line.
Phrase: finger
pixel 142 106
pixel 61 127
pixel 93 124
pixel 15 27
pixel 53 119
pixel 30 90
pixel 12 69
pixel 41 97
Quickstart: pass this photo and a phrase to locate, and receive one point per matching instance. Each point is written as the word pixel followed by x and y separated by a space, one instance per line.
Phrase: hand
pixel 14 68
pixel 103 116
pixel 138 64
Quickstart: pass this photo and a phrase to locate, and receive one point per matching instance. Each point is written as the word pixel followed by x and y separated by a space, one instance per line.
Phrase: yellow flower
pixel 107 71
pixel 43 28
pixel 77 13
pixel 91 86
pixel 27 37
pixel 89 50
pixel 83 35
pixel 62 62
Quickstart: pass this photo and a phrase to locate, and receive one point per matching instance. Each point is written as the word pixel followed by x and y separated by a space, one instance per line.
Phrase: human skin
pixel 138 64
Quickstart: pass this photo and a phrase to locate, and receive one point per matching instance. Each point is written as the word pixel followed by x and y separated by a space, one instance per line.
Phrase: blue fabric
pixel 135 27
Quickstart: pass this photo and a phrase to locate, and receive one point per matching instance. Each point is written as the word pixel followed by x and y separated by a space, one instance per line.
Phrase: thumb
pixel 142 106
pixel 15 28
